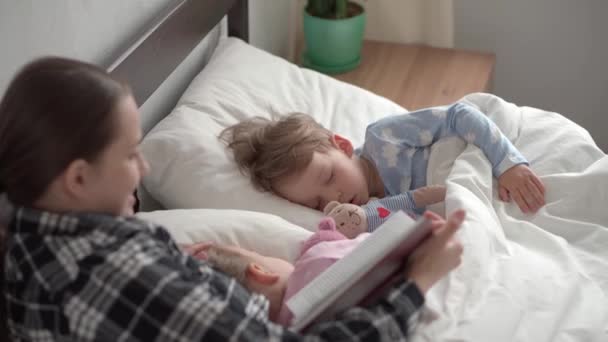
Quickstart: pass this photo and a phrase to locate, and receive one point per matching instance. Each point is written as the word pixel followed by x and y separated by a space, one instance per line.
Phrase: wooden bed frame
pixel 148 61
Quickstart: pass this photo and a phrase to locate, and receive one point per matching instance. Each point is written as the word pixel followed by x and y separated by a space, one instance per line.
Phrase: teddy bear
pixel 350 219
pixel 327 232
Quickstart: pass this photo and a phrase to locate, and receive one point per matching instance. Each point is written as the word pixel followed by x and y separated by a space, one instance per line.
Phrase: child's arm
pixel 424 127
pixel 377 211
pixel 515 178
pixel 352 220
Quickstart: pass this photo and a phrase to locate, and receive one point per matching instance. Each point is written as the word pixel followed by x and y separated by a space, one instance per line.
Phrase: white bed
pixel 539 277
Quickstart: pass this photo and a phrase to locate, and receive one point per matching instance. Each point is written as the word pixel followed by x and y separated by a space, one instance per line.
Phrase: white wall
pixel 270 26
pixel 91 30
pixel 551 54
pixel 97 31
pixel 410 21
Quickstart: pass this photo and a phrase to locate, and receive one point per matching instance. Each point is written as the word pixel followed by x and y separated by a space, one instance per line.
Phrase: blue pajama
pixel 399 147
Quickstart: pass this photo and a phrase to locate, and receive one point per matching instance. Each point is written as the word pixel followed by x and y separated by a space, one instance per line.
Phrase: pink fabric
pixel 327 232
pixel 319 252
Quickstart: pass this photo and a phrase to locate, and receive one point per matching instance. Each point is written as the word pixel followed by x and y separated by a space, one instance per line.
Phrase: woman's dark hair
pixel 54 111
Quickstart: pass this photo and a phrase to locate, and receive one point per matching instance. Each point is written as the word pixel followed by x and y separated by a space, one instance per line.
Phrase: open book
pixel 363 275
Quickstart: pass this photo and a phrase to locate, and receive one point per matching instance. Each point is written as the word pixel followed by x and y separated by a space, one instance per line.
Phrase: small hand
pixel 523 185
pixel 428 195
pixel 197 250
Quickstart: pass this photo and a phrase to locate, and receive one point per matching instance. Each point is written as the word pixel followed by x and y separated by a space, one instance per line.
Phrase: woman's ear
pixel 343 144
pixel 74 178
pixel 261 275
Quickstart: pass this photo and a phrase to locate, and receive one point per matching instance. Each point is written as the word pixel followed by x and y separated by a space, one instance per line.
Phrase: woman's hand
pixel 197 250
pixel 439 254
pixel 523 185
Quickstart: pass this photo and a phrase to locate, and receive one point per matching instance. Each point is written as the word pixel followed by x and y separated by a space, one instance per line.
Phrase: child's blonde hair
pixel 270 150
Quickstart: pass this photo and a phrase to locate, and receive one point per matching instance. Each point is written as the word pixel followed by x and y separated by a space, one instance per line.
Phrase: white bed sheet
pixel 541 277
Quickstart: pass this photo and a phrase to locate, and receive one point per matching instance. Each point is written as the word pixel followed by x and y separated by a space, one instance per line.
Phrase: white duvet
pixel 541 277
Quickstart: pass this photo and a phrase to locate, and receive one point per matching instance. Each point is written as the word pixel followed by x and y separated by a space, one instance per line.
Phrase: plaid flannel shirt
pixel 90 277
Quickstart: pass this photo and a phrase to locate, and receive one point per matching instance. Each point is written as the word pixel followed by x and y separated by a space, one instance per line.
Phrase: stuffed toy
pixel 350 219
pixel 327 232
pixel 321 250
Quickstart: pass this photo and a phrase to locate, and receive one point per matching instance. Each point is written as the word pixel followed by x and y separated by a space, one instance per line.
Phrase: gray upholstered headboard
pixel 164 59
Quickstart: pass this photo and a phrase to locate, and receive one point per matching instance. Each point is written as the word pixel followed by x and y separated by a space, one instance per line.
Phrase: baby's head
pixel 261 274
pixel 300 160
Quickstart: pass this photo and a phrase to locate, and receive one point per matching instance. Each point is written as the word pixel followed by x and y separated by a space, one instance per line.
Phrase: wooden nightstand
pixel 418 76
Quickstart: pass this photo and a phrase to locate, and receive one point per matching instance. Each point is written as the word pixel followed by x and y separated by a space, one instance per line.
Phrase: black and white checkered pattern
pixel 91 277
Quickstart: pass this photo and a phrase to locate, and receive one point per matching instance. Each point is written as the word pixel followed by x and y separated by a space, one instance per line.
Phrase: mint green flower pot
pixel 333 46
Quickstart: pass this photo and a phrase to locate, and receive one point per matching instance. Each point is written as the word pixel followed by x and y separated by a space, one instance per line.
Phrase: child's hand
pixel 197 250
pixel 521 184
pixel 428 195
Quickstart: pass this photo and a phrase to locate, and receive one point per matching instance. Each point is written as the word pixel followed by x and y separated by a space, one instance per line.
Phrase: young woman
pixel 75 266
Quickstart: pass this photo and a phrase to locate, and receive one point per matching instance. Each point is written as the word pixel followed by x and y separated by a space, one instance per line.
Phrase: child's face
pixel 265 275
pixel 117 172
pixel 336 175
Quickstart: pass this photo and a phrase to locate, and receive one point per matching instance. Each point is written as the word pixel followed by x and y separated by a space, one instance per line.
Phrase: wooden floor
pixel 418 76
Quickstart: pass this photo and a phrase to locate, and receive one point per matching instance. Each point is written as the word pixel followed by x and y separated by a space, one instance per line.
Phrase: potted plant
pixel 333 33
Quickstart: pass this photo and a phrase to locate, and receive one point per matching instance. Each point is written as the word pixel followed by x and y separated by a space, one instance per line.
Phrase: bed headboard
pixel 161 62
pixel 166 51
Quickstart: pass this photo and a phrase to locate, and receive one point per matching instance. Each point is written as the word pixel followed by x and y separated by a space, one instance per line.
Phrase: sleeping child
pixel 278 280
pixel 301 161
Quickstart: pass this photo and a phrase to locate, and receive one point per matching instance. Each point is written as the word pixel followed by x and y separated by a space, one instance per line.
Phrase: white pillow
pixel 191 168
pixel 263 233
